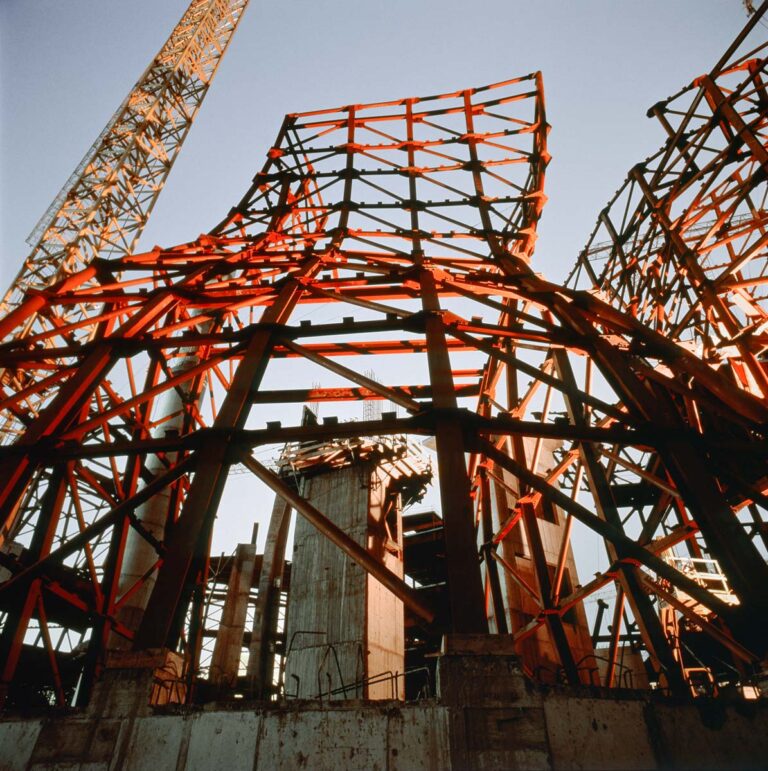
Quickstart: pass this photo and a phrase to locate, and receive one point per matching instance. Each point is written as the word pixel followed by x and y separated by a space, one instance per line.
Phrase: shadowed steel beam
pixel 631 550
pixel 349 546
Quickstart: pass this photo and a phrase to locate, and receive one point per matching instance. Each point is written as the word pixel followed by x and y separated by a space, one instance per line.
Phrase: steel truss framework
pixel 682 244
pixel 419 217
pixel 104 205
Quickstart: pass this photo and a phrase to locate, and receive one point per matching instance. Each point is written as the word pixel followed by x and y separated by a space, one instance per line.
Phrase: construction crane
pixel 103 207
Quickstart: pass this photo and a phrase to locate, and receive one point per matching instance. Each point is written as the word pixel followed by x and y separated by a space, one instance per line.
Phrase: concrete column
pixel 134 682
pixel 139 555
pixel 343 626
pixel 225 661
pixel 495 719
pixel 261 654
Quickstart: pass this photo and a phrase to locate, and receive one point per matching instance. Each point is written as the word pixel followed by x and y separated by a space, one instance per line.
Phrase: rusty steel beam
pixel 192 530
pixel 348 545
pixel 465 588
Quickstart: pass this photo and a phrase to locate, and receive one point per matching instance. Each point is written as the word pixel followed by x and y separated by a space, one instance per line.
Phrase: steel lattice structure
pixel 682 244
pixel 551 410
pixel 103 207
pixel 373 208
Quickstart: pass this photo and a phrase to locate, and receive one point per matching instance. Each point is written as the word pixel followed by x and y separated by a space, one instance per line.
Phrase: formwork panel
pixel 225 740
pixel 17 741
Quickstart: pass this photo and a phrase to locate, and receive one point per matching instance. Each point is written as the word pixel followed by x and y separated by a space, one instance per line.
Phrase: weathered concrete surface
pixel 418 742
pixel 326 617
pixel 488 716
pixel 720 737
pixel 230 737
pixel 343 626
pixel 344 736
pixel 17 741
pixel 547 731
pixel 65 743
pixel 348 740
pixel 132 681
pixel 496 719
pixel 597 733
pixel 155 743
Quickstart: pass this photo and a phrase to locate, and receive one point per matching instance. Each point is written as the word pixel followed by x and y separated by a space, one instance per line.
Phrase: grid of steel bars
pixel 418 217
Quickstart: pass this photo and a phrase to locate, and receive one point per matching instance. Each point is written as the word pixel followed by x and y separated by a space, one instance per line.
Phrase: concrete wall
pixel 556 731
pixel 590 733
pixel 327 603
pixel 384 616
pixel 334 602
pixel 487 717
pixel 342 737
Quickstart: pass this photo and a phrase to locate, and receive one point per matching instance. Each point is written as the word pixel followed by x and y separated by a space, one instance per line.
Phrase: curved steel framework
pixel 682 244
pixel 553 413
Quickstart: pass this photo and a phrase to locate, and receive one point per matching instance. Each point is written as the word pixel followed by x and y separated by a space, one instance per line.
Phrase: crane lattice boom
pixel 105 204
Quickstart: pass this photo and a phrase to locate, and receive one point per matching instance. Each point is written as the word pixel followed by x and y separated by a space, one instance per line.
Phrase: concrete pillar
pixel 139 555
pixel 134 682
pixel 225 661
pixel 343 626
pixel 495 718
pixel 261 653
